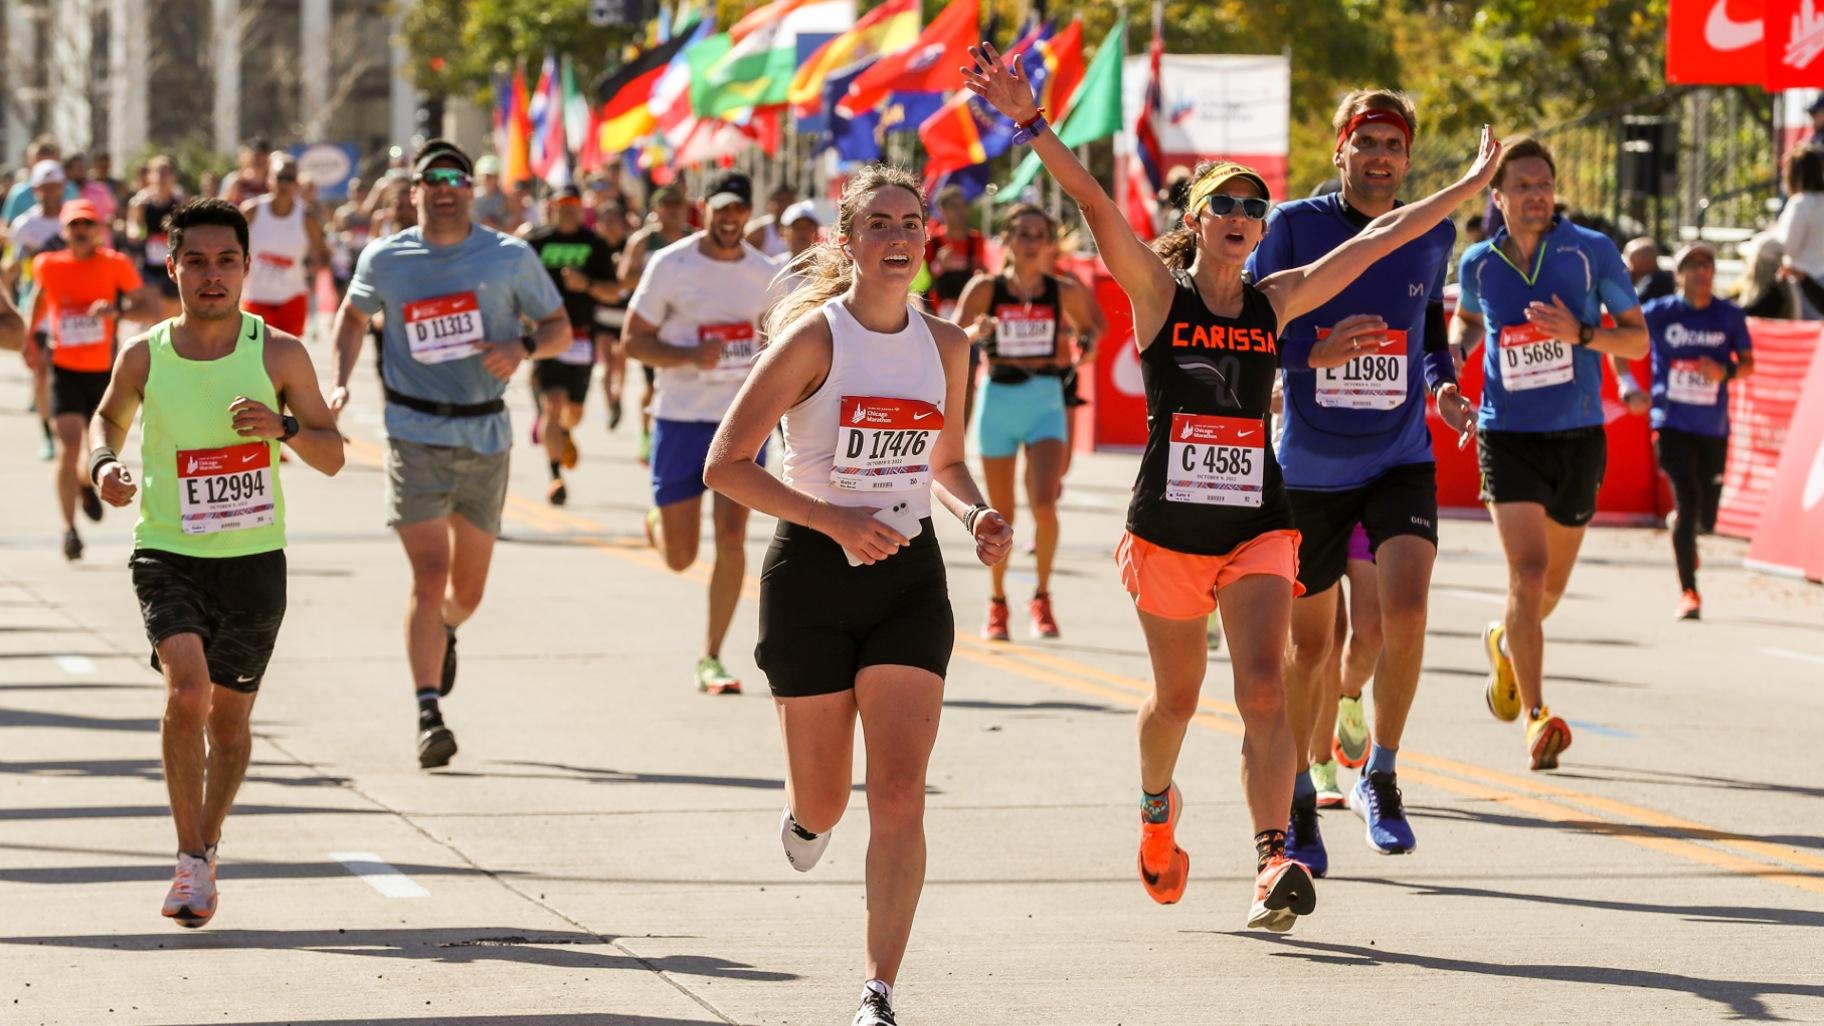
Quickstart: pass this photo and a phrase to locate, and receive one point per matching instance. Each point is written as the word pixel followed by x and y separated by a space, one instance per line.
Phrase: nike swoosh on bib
pixel 1724 33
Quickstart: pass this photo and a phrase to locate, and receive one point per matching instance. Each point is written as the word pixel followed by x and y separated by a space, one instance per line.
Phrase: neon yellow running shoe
pixel 1503 693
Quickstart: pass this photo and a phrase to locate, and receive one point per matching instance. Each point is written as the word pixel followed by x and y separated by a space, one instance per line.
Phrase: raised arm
pixel 1135 267
pixel 1300 290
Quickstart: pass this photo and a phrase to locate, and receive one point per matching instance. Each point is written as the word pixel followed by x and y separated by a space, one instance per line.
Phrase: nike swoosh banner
pixel 1794 47
pixel 1722 42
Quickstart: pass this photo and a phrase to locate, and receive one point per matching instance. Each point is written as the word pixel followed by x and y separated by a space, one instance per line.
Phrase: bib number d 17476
pixel 1371 381
pixel 444 328
pixel 1531 359
pixel 225 489
pixel 1216 461
pixel 884 445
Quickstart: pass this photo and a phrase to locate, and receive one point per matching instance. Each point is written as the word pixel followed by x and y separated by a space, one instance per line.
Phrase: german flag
pixel 623 93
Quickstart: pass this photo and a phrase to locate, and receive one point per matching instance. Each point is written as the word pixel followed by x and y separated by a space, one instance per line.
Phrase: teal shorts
pixel 1009 416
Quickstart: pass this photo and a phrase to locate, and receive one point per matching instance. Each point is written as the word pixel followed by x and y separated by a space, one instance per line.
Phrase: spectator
pixel 1801 225
pixel 1816 110
pixel 492 206
pixel 1761 290
pixel 1474 230
pixel 1651 281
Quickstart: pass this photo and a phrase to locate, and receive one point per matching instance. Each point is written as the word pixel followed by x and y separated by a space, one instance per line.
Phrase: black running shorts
pixel 822 620
pixel 569 378
pixel 235 604
pixel 1404 500
pixel 1560 470
pixel 77 392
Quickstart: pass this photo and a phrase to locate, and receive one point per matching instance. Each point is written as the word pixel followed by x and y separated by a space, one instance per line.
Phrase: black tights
pixel 1694 463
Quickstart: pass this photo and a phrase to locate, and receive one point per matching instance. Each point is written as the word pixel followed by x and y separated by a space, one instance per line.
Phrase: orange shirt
pixel 67 288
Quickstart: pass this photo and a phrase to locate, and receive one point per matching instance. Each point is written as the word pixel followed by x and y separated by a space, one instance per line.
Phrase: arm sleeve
pixel 1439 368
pixel 1467 299
pixel 363 290
pixel 533 288
pixel 130 280
pixel 1613 285
pixel 601 262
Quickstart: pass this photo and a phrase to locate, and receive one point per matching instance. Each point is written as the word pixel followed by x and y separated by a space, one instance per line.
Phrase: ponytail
pixel 823 272
pixel 1177 248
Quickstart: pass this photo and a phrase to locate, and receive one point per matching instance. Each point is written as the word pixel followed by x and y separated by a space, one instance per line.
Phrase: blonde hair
pixel 1363 100
pixel 825 271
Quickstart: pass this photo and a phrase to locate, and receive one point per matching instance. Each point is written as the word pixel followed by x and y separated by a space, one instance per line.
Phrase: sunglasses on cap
pixel 447 176
pixel 1252 207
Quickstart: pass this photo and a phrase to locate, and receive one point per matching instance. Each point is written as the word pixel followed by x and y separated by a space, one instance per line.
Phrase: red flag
pixel 931 65
pixel 1145 171
pixel 519 132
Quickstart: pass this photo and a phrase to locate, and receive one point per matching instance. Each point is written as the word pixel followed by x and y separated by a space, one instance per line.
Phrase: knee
pixel 1260 694
pixel 1307 655
pixel 467 594
pixel 1043 499
pixel 896 798
pixel 1526 580
pixel 731 541
pixel 1174 707
pixel 187 703
pixel 229 735
pixel 820 809
pixel 429 580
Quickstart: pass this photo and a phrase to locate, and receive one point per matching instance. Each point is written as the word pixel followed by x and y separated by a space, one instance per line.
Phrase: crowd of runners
pixel 1291 352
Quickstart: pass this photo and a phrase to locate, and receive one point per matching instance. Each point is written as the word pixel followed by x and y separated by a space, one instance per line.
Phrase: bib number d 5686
pixel 1531 359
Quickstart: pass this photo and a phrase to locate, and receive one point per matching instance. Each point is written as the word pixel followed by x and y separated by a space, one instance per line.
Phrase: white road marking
pixel 380 876
pixel 1474 596
pixel 1787 653
pixel 75 665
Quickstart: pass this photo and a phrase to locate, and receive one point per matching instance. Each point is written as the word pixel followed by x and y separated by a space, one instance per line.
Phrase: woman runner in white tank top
pixel 854 615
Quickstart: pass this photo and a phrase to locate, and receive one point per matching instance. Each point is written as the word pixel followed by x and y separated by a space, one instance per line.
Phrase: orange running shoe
pixel 1546 737
pixel 995 627
pixel 1283 891
pixel 1165 869
pixel 1044 625
pixel 1690 607
pixel 568 459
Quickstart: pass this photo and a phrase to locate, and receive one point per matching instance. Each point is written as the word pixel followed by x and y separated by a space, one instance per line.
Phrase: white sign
pixel 1213 104
pixel 325 164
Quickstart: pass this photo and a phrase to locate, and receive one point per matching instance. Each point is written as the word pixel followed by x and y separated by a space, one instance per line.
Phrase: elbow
pixel 715 475
pixel 1637 345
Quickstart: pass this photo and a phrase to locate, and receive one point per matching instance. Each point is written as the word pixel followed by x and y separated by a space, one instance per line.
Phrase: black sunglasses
pixel 1252 207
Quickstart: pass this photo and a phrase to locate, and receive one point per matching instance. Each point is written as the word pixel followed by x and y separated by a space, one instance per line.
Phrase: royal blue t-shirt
pixel 1531 383
pixel 1350 425
pixel 1682 333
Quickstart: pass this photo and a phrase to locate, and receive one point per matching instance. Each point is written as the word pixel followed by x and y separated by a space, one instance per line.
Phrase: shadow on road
pixel 82 686
pixel 1711 914
pixel 164 811
pixel 1607 829
pixel 998 706
pixel 1636 775
pixel 541 1019
pixel 151 769
pixel 34 718
pixel 160 872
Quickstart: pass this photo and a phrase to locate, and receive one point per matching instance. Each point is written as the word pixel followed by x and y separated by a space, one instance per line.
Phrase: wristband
pixel 530 343
pixel 970 515
pixel 1030 129
pixel 99 458
pixel 1729 370
pixel 291 428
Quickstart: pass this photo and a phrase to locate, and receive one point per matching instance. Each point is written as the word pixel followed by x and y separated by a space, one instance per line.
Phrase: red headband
pixel 1374 117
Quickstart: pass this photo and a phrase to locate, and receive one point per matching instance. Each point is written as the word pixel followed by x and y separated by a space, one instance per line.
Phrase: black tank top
pixel 1208 480
pixel 1024 329
pixel 155 214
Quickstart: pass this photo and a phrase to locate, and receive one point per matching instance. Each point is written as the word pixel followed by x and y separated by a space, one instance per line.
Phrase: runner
pixel 252 174
pixel 695 317
pixel 1539 429
pixel 453 295
pixel 1700 343
pixel 214 387
pixel 82 290
pixel 800 224
pixel 954 254
pixel 668 222
pixel 12 326
pixel 146 214
pixel 1022 318
pixel 493 207
pixel 24 193
pixel 1342 736
pixel 1210 525
pixel 766 233
pixel 582 267
pixel 850 625
pixel 38 228
pixel 1357 450
pixel 612 226
pixel 286 232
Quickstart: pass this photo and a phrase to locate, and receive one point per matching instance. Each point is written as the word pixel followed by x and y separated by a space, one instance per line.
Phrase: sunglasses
pixel 447 176
pixel 1252 207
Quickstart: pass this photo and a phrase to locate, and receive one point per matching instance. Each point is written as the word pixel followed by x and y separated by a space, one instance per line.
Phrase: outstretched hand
pixel 1005 88
pixel 1482 172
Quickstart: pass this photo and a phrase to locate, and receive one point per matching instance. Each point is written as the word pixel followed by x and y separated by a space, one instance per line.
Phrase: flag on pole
pixel 549 157
pixel 576 109
pixel 669 103
pixel 519 131
pixel 854 138
pixel 891 27
pixel 503 109
pixel 762 57
pixel 624 93
pixel 968 130
pixel 1093 111
pixel 929 65
pixel 1145 165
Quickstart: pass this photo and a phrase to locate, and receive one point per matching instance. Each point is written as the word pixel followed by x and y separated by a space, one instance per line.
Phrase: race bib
pixel 1372 381
pixel 1530 358
pixel 884 445
pixel 1685 384
pixel 444 328
pixel 581 352
pixel 158 247
pixel 1216 461
pixel 225 489
pixel 274 263
pixel 1022 331
pixel 946 309
pixel 737 341
pixel 75 330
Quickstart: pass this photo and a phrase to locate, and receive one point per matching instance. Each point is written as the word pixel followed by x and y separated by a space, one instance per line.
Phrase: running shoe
pixel 1376 798
pixel 1212 633
pixel 652 528
pixel 192 898
pixel 436 743
pixel 995 627
pixel 569 458
pixel 1350 742
pixel 72 545
pixel 447 683
pixel 1690 607
pixel 1283 891
pixel 802 848
pixel 874 1010
pixel 713 679
pixel 538 436
pixel 1323 775
pixel 614 415
pixel 1503 694
pixel 1044 625
pixel 1165 868
pixel 555 492
pixel 1546 737
pixel 47 449
pixel 1304 842
pixel 644 452
pixel 91 504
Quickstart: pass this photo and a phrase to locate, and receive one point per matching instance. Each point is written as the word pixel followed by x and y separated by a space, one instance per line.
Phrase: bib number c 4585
pixel 1216 461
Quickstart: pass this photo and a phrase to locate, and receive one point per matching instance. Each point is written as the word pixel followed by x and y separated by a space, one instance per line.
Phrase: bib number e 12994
pixel 225 489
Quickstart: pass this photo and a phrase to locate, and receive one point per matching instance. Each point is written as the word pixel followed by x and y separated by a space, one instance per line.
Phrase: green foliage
pixel 456 45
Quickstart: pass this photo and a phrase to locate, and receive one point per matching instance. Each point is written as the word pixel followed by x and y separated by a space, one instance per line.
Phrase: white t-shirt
pixel 1801 231
pixel 694 298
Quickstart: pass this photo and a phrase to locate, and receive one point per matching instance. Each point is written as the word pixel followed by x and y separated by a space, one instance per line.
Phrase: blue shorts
pixel 679 450
pixel 1009 416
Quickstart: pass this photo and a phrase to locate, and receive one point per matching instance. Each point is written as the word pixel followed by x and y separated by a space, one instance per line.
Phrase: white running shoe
pixel 802 848
pixel 192 898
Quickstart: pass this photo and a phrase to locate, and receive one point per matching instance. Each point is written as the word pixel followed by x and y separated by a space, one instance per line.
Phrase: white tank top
pixel 867 435
pixel 278 248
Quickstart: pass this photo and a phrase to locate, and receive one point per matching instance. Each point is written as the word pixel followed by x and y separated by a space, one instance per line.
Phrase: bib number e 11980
pixel 884 445
pixel 1531 359
pixel 1370 381
pixel 738 350
pixel 1216 461
pixel 225 489
pixel 444 328
pixel 1685 383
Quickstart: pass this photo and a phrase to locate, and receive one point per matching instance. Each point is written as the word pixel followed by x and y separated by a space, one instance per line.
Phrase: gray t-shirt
pixel 443 304
pixel 489 207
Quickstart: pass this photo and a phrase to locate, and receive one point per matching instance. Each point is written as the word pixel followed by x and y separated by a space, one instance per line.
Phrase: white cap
pixel 47 172
pixel 803 210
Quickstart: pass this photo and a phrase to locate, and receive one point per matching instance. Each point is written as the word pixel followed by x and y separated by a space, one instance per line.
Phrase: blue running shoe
pixel 1376 798
pixel 1304 843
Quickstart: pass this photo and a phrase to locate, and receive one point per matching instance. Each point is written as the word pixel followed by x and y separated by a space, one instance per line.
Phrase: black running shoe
pixel 91 504
pixel 448 683
pixel 614 416
pixel 874 1010
pixel 436 742
pixel 72 545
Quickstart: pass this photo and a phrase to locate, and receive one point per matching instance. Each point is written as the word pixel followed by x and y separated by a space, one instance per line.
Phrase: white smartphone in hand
pixel 899 517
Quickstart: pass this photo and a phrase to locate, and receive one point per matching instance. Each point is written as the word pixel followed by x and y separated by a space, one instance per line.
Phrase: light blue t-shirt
pixel 21 197
pixel 433 294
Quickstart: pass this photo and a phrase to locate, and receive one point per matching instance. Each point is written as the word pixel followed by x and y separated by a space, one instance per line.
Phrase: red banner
pixel 1761 409
pixel 1716 42
pixel 1790 535
pixel 1795 44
